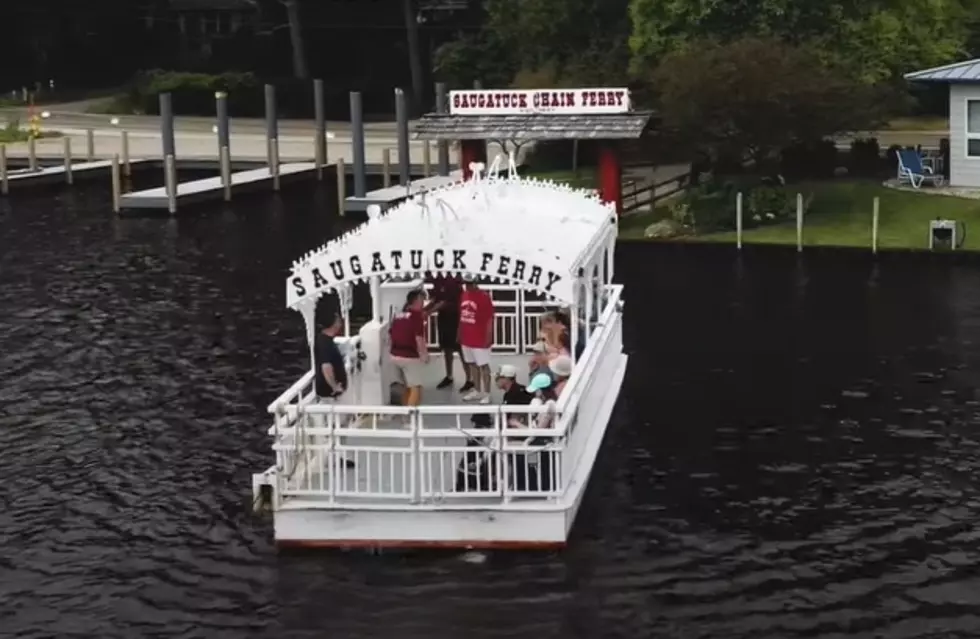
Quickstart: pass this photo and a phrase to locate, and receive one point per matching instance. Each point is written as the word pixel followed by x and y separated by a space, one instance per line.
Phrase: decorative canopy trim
pixel 524 231
pixel 532 126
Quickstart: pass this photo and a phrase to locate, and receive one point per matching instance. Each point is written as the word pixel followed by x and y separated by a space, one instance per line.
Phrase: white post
pixel 738 220
pixel 376 298
pixel 90 139
pixel 341 185
pixel 4 179
pixel 573 312
pixel 226 172
pixel 32 154
pixel 590 287
pixel 799 222
pixel 124 142
pixel 69 177
pixel 170 181
pixel 874 226
pixel 426 159
pixel 275 164
pixel 116 185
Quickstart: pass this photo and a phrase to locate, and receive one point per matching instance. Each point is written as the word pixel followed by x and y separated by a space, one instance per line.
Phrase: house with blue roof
pixel 963 79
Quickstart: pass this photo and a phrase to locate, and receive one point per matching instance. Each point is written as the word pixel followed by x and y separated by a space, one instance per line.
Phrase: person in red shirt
pixel 409 350
pixel 476 337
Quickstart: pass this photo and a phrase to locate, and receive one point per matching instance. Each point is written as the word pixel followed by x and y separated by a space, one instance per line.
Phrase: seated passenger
pixel 539 359
pixel 561 370
pixel 514 393
pixel 532 471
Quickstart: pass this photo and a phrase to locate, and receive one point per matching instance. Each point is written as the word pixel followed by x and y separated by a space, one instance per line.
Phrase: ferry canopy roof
pixel 533 126
pixel 528 232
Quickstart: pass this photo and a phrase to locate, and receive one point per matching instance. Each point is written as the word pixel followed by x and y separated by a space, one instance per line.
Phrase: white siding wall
pixel 963 171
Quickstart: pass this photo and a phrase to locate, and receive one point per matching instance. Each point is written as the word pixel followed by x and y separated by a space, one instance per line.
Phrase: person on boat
pixel 477 471
pixel 561 370
pixel 330 380
pixel 409 350
pixel 514 392
pixel 540 359
pixel 476 316
pixel 532 469
pixel 551 332
pixel 444 303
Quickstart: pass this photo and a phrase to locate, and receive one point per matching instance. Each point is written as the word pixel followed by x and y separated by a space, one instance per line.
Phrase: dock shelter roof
pixel 533 126
pixel 527 232
pixel 965 71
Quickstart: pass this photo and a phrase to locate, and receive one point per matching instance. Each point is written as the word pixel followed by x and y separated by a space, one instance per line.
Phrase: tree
pixel 300 69
pixel 756 96
pixel 879 38
pixel 562 42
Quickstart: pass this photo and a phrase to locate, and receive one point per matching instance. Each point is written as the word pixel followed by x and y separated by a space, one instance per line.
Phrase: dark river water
pixel 795 452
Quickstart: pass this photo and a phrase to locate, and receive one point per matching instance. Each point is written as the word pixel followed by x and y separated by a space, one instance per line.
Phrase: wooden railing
pixel 643 198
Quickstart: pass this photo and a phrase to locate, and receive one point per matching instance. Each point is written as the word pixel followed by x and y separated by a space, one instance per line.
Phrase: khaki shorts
pixel 411 371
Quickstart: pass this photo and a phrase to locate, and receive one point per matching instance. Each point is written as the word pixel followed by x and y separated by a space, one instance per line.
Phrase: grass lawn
pixel 12 135
pixel 840 215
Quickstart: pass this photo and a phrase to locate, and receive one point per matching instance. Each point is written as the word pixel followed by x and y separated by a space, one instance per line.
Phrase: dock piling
pixel 170 182
pixel 738 221
pixel 404 155
pixel 386 167
pixel 90 145
pixel 226 172
pixel 275 165
pixel 341 184
pixel 4 180
pixel 442 106
pixel 271 121
pixel 874 225
pixel 426 159
pixel 320 116
pixel 221 112
pixel 169 150
pixel 32 154
pixel 357 141
pixel 69 177
pixel 116 185
pixel 799 222
pixel 127 169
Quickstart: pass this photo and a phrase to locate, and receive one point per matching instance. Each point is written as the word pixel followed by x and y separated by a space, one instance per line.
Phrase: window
pixel 973 128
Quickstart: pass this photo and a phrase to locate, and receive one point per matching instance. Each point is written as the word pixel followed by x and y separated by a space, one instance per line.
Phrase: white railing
pixel 413 457
pixel 516 317
pixel 437 459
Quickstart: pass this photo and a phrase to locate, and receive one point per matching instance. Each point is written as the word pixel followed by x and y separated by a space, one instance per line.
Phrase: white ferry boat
pixel 537 246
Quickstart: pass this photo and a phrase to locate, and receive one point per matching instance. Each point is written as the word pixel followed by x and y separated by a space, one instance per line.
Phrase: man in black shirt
pixel 331 372
pixel 514 393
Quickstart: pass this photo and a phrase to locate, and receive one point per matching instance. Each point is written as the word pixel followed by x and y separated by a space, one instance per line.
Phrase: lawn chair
pixel 912 170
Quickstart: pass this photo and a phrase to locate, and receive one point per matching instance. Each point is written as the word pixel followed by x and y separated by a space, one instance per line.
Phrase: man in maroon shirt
pixel 446 293
pixel 409 350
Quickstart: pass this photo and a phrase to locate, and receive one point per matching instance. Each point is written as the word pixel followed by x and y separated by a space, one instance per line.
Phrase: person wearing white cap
pixel 561 370
pixel 514 393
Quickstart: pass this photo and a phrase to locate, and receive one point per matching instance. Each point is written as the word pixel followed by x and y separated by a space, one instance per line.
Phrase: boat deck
pixel 383 465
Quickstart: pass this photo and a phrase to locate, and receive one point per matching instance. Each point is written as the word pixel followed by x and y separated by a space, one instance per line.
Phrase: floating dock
pixel 213 188
pixel 56 174
pixel 389 196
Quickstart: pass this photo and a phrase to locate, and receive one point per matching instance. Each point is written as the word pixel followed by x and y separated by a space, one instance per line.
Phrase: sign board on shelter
pixel 551 101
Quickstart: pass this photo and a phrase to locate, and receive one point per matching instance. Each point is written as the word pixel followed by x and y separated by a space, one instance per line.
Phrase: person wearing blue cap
pixel 532 472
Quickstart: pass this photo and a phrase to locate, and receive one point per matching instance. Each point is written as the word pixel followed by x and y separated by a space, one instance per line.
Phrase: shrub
pixel 766 205
pixel 865 160
pixel 891 158
pixel 809 159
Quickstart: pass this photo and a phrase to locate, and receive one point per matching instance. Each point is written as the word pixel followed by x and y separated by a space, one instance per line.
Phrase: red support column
pixel 610 176
pixel 471 151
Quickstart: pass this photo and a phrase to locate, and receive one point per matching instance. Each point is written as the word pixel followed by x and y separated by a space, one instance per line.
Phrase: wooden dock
pixel 48 175
pixel 392 195
pixel 212 188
